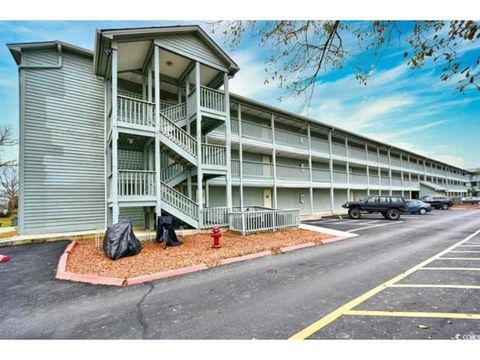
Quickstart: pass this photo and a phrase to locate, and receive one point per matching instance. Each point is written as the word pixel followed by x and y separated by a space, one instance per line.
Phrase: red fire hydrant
pixel 216 235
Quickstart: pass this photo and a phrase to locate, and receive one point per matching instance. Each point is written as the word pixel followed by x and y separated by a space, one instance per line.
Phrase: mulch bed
pixel 196 249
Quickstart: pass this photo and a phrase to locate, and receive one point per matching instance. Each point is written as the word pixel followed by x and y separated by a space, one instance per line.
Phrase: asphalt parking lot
pixel 438 298
pixel 417 278
pixel 369 221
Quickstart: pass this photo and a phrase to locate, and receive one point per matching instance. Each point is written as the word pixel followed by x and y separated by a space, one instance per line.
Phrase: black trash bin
pixel 166 232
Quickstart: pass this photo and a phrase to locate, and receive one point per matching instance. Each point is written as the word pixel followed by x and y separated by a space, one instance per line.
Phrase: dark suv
pixel 389 206
pixel 438 201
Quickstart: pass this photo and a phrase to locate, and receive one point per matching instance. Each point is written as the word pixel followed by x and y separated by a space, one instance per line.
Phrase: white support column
pixel 240 155
pixel 330 161
pixel 348 168
pixel 187 91
pixel 274 161
pixel 156 61
pixel 390 170
pixel 368 170
pixel 228 141
pixel 115 206
pixel 379 170
pixel 207 194
pixel 424 171
pixel 199 140
pixel 310 165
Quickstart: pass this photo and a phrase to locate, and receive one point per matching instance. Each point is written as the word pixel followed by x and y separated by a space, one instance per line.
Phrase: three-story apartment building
pixel 145 124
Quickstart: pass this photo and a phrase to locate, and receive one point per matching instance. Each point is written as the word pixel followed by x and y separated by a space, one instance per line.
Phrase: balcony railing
pixel 253 169
pixel 319 145
pixel 214 216
pixel 287 172
pixel 136 183
pixel 214 155
pixel 321 175
pixel 176 113
pixel 357 153
pixel 135 111
pixel 251 130
pixel 396 182
pixel 339 149
pixel 212 99
pixel 291 139
pixel 257 220
pixel 358 179
pixel 339 177
pixel 374 180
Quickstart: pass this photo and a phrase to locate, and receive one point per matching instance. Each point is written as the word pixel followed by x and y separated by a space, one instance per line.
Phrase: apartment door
pixel 267 198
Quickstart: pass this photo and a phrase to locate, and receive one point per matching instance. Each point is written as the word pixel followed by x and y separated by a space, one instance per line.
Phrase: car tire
pixel 384 214
pixel 422 211
pixel 445 206
pixel 393 214
pixel 354 214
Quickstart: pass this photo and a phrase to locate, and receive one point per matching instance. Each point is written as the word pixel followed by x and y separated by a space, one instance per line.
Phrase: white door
pixel 267 198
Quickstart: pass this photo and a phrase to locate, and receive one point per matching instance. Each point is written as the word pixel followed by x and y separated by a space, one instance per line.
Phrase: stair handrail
pixel 176 113
pixel 191 204
pixel 190 143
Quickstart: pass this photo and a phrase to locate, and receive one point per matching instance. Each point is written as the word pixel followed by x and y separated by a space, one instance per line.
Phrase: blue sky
pixel 410 109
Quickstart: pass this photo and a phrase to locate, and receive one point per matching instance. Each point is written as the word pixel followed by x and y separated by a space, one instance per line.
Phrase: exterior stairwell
pixel 179 205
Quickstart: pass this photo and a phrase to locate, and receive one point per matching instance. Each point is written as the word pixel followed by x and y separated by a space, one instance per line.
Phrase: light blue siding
pixel 63 184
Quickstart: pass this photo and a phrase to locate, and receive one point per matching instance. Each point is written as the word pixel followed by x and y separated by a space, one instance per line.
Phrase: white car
pixel 471 200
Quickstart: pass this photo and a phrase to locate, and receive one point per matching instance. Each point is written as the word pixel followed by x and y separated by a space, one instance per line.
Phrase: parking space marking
pixel 342 310
pixel 450 268
pixel 372 226
pixel 470 245
pixel 467 251
pixel 459 258
pixel 440 286
pixel 415 314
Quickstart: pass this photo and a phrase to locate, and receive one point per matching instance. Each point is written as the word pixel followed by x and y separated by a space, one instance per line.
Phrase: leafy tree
pixel 306 48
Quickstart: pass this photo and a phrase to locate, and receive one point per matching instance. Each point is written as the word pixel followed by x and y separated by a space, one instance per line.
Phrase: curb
pixel 296 247
pixel 164 274
pixel 245 257
pixel 4 258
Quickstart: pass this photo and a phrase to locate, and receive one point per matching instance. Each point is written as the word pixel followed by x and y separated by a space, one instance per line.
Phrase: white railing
pixel 373 157
pixel 359 179
pixel 214 216
pixel 135 111
pixel 385 181
pixel 383 159
pixel 290 138
pixel 396 181
pixel 136 183
pixel 253 169
pixel 374 180
pixel 179 201
pixel 396 162
pixel 339 149
pixel 319 145
pixel 251 130
pixel 339 177
pixel 287 172
pixel 177 135
pixel 215 155
pixel 257 220
pixel 357 153
pixel 212 99
pixel 322 175
pixel 171 171
pixel 406 182
pixel 176 113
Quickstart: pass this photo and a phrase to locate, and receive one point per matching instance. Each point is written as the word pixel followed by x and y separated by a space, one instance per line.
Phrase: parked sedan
pixel 418 207
pixel 471 200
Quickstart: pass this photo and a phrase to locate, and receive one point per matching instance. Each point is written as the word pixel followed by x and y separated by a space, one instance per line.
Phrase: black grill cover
pixel 120 241
pixel 166 232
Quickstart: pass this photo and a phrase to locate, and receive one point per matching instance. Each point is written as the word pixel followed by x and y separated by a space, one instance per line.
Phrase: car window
pixel 395 200
pixel 373 199
pixel 383 199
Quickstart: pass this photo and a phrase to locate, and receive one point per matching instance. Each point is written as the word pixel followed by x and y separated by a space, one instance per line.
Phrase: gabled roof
pixel 104 38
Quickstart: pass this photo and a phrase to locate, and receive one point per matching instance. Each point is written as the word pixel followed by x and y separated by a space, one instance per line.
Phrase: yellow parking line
pixel 451 268
pixel 372 226
pixel 440 286
pixel 455 258
pixel 415 314
pixel 321 323
pixel 466 251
